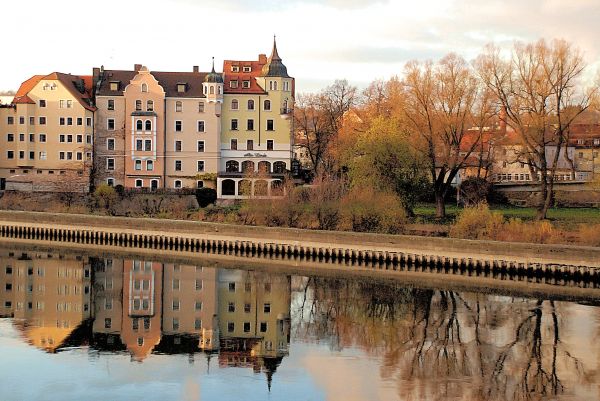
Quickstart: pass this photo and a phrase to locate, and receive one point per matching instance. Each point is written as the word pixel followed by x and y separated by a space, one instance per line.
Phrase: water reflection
pixel 428 344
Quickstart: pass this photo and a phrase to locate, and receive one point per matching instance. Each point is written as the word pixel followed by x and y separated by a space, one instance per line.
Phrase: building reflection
pixel 142 307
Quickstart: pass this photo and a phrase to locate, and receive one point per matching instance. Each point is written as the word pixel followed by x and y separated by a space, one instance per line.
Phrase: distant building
pixel 46 135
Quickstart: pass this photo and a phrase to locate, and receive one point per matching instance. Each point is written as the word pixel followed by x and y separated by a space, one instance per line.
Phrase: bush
pixel 105 196
pixel 537 232
pixel 589 234
pixel 372 211
pixel 477 222
pixel 206 196
pixel 475 190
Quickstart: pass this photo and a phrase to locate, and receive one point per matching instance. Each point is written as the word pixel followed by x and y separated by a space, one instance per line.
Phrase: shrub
pixel 538 232
pixel 477 222
pixel 105 196
pixel 373 211
pixel 206 196
pixel 589 234
pixel 474 190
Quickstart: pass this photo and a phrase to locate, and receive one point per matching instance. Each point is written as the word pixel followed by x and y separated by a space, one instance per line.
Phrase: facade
pixel 256 134
pixel 46 135
pixel 156 129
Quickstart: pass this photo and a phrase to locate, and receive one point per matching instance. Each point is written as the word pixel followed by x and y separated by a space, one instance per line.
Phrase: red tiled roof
pixel 68 80
pixel 26 86
pixel 256 68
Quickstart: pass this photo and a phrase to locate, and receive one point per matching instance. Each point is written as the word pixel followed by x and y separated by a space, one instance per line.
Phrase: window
pixel 250 125
pixel 148 125
pixel 267 105
pixel 110 124
pixel 201 126
pixel 247 68
pixel 235 104
pixel 107 323
pixel 110 104
pixel 70 138
pixel 178 106
pixel 177 165
pixel 79 121
pixel 10 154
pixel 286 86
pixel 69 120
pixel 250 144
pixel 233 84
pixel 199 184
pixel 235 68
pixel 177 146
pixel 267 308
pixel 269 144
pixel 245 84
pixel 42 137
pixel 144 87
pixel 110 144
pixel 79 138
pixel 201 166
pixel 61 138
pixel 61 121
pixel 42 120
pixel 201 107
pixel 263 327
pixel 270 126
pixel 138 105
pixel 31 120
pixel 43 155
pixel 150 105
pixel 110 163
pixel 148 145
pixel 110 182
pixel 200 146
pixel 139 183
pixel 231 307
pixel 61 155
pixel 139 125
pixel 198 284
pixel 139 144
pixel 31 155
pixel 69 155
pixel 181 88
pixel 114 86
pixel 250 104
pixel 10 137
pixel 149 165
pixel 178 126
pixel 247 308
pixel 138 164
pixel 234 124
pixel 233 145
pixel 231 287
pixel 21 137
pixel 197 324
pixel 79 156
pixel 88 122
pixel 198 305
pixel 177 184
pixel 42 103
pixel 230 327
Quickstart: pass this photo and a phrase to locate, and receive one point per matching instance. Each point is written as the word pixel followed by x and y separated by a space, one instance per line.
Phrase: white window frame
pixel 203 125
pixel 108 120
pixel 203 166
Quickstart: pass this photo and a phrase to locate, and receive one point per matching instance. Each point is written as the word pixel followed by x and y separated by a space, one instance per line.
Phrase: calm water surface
pixel 81 328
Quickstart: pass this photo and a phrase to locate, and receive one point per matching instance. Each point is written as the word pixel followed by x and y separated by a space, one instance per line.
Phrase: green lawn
pixel 565 217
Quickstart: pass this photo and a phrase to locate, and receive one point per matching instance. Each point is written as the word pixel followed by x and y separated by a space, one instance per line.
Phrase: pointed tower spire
pixel 274 66
pixel 213 65
pixel 274 54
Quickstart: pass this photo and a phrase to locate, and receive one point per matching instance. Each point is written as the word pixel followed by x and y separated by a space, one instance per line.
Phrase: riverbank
pixel 362 248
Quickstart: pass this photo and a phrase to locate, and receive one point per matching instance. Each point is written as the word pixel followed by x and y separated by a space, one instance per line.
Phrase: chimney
pixel 196 69
pixel 262 58
pixel 137 67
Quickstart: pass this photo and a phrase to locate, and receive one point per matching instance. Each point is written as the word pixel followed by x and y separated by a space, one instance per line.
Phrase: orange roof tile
pixel 255 71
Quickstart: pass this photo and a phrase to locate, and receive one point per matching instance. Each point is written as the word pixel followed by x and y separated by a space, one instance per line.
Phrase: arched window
pixel 139 125
pixel 245 187
pixel 264 166
pixel 247 166
pixel 138 105
pixel 205 89
pixel 270 85
pixel 149 105
pixel 218 90
pixel 148 125
pixel 228 187
pixel 212 90
pixel 232 166
pixel 178 106
pixel 279 167
pixel 144 88
pixel 250 104
pixel 234 104
pixel 274 85
pixel 260 188
pixel 267 105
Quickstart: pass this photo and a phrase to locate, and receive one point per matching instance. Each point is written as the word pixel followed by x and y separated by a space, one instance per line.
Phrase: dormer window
pixel 245 84
pixel 233 84
pixel 114 85
pixel 247 68
pixel 181 87
pixel 235 68
pixel 144 87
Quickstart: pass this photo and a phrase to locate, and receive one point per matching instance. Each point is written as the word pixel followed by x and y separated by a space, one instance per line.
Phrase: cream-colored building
pixel 256 134
pixel 156 129
pixel 46 135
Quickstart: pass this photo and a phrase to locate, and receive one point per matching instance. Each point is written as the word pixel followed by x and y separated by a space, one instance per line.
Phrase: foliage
pixel 206 196
pixel 477 222
pixel 105 197
pixel 367 210
pixel 474 190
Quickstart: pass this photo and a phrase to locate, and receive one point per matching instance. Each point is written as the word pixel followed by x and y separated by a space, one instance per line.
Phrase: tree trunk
pixel 440 206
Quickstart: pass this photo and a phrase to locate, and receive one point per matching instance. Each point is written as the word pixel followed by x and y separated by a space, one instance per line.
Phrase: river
pixel 82 326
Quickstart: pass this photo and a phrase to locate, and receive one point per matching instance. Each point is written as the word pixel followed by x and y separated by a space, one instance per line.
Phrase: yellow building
pixel 46 135
pixel 256 132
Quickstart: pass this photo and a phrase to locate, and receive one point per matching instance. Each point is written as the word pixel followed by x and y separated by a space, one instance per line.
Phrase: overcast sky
pixel 319 40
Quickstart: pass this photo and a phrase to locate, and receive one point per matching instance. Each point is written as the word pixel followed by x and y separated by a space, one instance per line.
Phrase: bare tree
pixel 538 89
pixel 443 101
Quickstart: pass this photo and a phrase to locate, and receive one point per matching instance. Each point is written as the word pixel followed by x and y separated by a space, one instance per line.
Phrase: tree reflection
pixel 438 344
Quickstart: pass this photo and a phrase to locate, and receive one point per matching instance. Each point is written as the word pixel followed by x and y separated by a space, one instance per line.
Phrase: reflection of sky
pixel 310 372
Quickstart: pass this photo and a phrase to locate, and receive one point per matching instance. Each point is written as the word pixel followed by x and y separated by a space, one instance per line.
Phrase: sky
pixel 319 40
